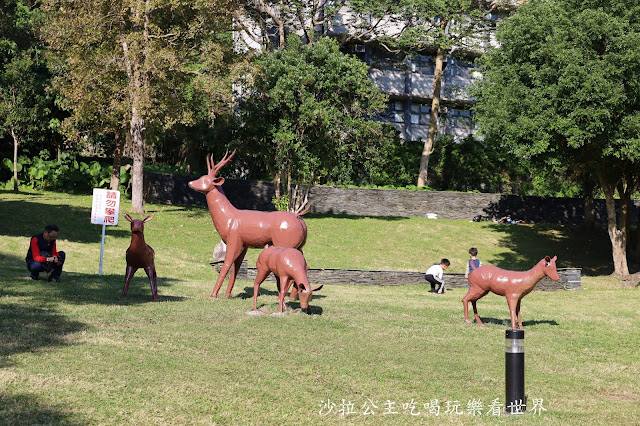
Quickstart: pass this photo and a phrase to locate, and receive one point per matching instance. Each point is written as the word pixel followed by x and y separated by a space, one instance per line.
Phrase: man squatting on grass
pixel 434 276
pixel 43 256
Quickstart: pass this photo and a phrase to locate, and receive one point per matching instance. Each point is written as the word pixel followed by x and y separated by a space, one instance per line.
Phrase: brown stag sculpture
pixel 514 285
pixel 140 255
pixel 241 229
pixel 289 266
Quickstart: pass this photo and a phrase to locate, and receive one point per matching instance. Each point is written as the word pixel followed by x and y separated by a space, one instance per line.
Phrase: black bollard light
pixel 514 371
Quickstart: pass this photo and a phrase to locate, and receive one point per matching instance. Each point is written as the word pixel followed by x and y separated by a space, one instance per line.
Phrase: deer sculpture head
pixel 208 182
pixel 550 269
pixel 137 225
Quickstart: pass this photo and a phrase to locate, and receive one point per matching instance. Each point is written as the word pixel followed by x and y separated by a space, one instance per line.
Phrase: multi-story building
pixel 409 84
pixel 409 80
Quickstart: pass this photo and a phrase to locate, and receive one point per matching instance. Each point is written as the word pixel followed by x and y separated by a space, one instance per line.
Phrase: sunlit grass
pixel 77 353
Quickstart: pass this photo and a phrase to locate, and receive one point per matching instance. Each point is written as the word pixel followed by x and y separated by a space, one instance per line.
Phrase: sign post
pixel 104 211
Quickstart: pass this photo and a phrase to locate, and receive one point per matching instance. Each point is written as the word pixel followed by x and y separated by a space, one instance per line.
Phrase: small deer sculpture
pixel 514 285
pixel 289 267
pixel 140 255
pixel 241 229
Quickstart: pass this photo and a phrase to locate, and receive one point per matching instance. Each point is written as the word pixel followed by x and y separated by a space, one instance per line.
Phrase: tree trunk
pixel 589 217
pixel 15 160
pixel 638 243
pixel 589 209
pixel 618 236
pixel 433 119
pixel 138 89
pixel 137 126
pixel 117 160
pixel 625 188
pixel 281 28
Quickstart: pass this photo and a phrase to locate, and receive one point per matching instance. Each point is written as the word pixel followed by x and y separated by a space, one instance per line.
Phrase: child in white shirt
pixel 434 276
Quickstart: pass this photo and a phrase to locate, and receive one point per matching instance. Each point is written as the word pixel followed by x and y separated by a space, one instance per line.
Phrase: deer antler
pixel 213 169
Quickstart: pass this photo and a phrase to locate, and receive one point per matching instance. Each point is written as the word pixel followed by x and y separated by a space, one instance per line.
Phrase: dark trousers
pixel 434 282
pixel 36 267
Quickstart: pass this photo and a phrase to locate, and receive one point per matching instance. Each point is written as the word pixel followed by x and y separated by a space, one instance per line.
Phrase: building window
pixel 420 114
pixel 395 112
pixel 422 64
pixel 454 112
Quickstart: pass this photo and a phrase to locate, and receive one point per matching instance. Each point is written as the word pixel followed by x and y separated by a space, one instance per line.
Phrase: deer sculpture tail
pixel 305 210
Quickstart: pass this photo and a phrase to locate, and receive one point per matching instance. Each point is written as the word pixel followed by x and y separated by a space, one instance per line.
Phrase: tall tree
pixel 311 115
pixel 563 84
pixel 24 104
pixel 439 27
pixel 141 64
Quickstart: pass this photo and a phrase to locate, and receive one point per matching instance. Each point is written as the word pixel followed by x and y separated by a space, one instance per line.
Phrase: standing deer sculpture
pixel 140 255
pixel 514 285
pixel 289 267
pixel 242 229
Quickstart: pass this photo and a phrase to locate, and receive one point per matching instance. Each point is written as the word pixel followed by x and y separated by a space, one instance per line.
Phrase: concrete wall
pixel 570 278
pixel 171 189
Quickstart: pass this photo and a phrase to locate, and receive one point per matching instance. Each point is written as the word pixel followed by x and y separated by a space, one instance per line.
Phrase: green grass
pixel 76 353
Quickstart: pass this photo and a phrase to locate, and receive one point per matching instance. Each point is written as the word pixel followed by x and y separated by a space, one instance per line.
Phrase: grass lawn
pixel 74 352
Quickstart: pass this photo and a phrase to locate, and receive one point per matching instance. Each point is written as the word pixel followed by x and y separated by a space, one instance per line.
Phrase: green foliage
pixel 310 117
pixel 25 105
pixel 469 165
pixel 281 203
pixel 560 84
pixel 67 174
pixel 563 86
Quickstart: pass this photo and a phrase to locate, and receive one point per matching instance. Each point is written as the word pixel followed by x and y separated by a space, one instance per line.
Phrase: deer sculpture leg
pixel 513 303
pixel 475 312
pixel 293 294
pixel 234 248
pixel 262 275
pixel 285 282
pixel 153 280
pixel 278 284
pixel 472 296
pixel 127 279
pixel 234 271
pixel 518 314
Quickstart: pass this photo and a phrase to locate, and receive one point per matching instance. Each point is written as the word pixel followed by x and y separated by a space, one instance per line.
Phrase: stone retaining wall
pixel 253 195
pixel 570 278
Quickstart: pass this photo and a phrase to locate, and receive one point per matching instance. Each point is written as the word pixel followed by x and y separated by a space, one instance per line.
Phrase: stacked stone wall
pixel 570 278
pixel 255 195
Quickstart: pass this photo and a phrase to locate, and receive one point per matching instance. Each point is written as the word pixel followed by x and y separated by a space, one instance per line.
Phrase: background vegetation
pixel 77 353
pixel 74 91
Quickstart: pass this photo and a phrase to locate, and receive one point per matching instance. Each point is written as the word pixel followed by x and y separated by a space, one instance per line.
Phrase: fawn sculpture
pixel 241 229
pixel 513 285
pixel 140 255
pixel 289 267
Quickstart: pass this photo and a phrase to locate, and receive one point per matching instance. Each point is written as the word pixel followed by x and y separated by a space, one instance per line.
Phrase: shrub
pixel 67 174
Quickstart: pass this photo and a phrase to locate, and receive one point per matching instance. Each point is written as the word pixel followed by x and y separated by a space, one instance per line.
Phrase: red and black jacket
pixel 39 245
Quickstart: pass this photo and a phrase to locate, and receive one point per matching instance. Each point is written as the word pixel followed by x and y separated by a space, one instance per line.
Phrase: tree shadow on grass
pixel 291 304
pixel 507 322
pixel 28 409
pixel 26 328
pixel 189 210
pixel 15 223
pixel 248 293
pixel 574 246
pixel 78 288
